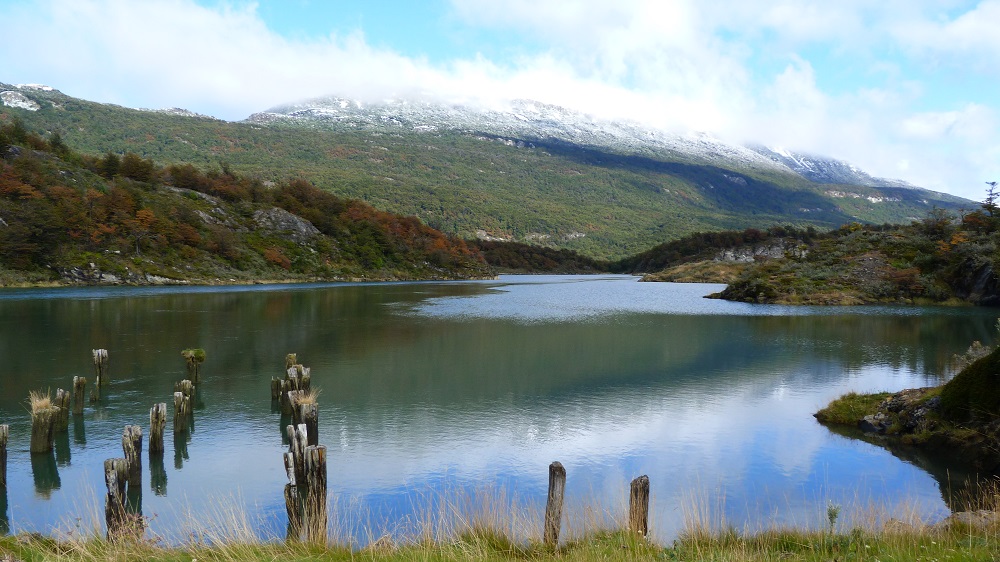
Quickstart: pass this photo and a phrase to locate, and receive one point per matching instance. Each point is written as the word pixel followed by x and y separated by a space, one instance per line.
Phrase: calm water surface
pixel 435 390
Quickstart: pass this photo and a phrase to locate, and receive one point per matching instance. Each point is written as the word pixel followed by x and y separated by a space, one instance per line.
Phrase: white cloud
pixel 743 69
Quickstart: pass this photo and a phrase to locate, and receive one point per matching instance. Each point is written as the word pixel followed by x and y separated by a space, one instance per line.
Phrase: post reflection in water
pixel 4 519
pixel 181 439
pixel 61 443
pixel 79 430
pixel 45 473
pixel 157 474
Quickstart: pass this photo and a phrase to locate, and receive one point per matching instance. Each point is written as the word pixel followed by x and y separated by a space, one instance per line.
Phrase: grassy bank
pixel 953 540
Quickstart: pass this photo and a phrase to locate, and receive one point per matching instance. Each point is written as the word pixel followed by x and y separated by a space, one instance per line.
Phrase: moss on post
pixel 194 358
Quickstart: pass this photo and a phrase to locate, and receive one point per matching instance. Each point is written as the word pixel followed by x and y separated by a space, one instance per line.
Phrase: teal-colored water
pixel 433 390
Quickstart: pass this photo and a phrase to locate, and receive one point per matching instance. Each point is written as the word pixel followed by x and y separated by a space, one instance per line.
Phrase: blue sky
pixel 902 88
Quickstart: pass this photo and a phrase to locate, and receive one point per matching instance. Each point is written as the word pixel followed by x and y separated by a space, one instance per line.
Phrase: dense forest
pixel 65 215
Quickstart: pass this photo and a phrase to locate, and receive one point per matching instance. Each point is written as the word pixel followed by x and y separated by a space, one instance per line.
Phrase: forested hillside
pixel 66 216
pixel 541 191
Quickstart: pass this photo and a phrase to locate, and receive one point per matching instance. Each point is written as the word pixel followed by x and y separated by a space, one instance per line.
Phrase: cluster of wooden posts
pixel 305 461
pixel 122 475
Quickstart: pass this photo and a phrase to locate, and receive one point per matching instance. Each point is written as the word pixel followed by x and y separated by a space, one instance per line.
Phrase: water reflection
pixel 181 440
pixel 61 443
pixel 45 473
pixel 157 474
pixel 434 386
pixel 79 430
pixel 4 518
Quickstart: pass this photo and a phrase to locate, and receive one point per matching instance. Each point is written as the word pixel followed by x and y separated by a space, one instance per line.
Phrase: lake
pixel 434 393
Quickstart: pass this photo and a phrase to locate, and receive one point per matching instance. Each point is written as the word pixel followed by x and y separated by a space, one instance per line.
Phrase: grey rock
pixel 280 221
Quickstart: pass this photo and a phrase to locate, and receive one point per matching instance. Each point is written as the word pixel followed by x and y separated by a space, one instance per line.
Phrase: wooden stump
pixel 101 368
pixel 157 423
pixel 4 433
pixel 315 519
pixel 638 506
pixel 132 447
pixel 294 396
pixel 554 503
pixel 290 359
pixel 115 478
pixel 185 386
pixel 42 425
pixel 79 391
pixel 275 388
pixel 309 414
pixel 62 418
pixel 182 409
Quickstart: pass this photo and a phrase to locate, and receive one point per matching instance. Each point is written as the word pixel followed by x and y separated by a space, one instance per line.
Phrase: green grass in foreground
pixel 893 542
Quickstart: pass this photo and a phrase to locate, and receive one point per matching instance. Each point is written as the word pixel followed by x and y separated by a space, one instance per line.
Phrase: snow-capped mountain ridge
pixel 528 120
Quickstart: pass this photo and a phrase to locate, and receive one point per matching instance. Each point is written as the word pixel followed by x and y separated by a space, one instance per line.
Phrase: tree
pixel 990 203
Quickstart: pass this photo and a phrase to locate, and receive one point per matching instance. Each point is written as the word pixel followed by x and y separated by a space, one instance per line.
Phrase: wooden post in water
pixel 315 505
pixel 293 501
pixel 132 447
pixel 293 404
pixel 43 420
pixel 194 358
pixel 638 505
pixel 275 388
pixel 554 503
pixel 62 419
pixel 290 359
pixel 79 390
pixel 115 478
pixel 182 407
pixel 157 422
pixel 101 367
pixel 4 433
pixel 309 414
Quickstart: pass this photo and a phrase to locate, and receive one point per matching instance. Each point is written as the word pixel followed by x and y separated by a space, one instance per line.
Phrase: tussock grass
pixel 310 397
pixel 39 401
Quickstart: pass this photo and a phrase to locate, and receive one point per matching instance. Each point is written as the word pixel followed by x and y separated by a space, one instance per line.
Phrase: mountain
pixel 522 171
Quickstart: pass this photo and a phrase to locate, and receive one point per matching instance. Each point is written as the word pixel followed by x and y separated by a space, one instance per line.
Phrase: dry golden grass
pixel 39 401
pixel 310 397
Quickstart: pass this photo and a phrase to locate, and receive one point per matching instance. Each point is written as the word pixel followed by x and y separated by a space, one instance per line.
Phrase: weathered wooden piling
pixel 4 433
pixel 194 358
pixel 182 410
pixel 185 386
pixel 638 505
pixel 291 359
pixel 275 388
pixel 293 501
pixel 309 414
pixel 132 448
pixel 554 503
pixel 315 519
pixel 62 417
pixel 293 406
pixel 115 478
pixel 43 419
pixel 79 391
pixel 157 423
pixel 297 443
pixel 101 367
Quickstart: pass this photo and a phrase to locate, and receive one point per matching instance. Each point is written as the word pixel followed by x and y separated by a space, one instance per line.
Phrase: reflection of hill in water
pixel 961 489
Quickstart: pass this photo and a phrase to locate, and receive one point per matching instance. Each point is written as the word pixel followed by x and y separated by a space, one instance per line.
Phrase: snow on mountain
pixel 526 120
pixel 825 170
pixel 520 120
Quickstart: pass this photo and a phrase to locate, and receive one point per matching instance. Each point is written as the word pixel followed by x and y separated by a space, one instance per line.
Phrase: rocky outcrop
pixel 978 283
pixel 93 275
pixel 281 222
